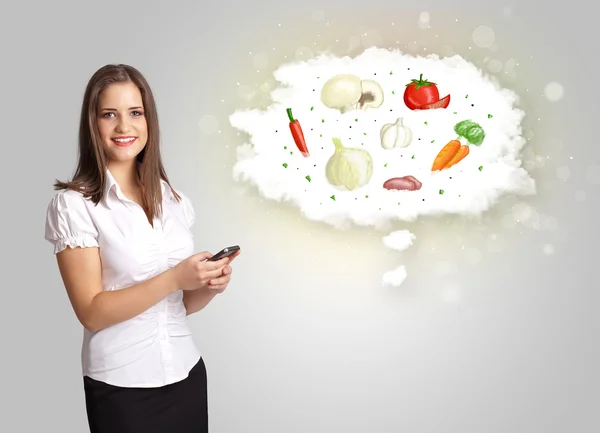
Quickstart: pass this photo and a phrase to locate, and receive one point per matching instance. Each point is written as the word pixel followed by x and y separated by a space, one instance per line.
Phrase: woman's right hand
pixel 194 272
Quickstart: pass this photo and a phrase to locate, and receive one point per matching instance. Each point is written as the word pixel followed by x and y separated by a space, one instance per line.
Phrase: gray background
pixel 488 334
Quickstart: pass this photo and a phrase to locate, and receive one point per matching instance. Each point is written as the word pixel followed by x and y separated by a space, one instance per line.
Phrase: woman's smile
pixel 124 141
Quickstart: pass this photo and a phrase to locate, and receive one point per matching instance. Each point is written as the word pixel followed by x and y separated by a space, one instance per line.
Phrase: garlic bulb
pixel 395 135
pixel 349 168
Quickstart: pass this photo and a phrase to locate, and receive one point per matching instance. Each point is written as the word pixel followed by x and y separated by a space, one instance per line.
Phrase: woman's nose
pixel 123 125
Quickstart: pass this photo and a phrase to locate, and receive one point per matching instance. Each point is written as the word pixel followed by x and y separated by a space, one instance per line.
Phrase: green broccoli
pixel 470 130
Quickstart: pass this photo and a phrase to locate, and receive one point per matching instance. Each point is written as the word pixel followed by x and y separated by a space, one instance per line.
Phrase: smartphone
pixel 225 252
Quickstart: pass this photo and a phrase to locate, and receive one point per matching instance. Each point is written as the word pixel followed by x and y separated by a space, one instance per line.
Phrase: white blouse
pixel 156 347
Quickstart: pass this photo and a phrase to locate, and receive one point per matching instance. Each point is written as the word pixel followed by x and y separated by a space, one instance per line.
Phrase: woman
pixel 125 251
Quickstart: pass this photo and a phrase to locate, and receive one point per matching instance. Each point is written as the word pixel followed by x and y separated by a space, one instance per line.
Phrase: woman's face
pixel 122 122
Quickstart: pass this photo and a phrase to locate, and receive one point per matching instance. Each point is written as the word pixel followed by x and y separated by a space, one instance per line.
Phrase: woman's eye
pixel 108 115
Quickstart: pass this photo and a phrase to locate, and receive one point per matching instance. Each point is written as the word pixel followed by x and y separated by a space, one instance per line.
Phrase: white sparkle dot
pixel 554 91
pixel 548 249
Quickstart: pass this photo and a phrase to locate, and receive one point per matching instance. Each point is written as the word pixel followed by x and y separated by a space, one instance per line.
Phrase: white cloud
pixel 399 240
pixel 394 278
pixel 271 161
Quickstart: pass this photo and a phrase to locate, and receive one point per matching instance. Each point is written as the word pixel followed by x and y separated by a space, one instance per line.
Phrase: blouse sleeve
pixel 68 222
pixel 188 210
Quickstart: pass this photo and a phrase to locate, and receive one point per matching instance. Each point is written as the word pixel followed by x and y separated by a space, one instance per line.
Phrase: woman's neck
pixel 126 174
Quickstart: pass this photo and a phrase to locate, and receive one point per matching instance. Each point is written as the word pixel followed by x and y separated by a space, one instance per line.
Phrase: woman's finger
pixel 218 288
pixel 210 274
pixel 219 281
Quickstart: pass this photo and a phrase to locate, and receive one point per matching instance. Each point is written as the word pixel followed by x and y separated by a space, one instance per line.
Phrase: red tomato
pixel 420 92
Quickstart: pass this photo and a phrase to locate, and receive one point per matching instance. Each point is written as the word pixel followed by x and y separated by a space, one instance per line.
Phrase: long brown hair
pixel 91 166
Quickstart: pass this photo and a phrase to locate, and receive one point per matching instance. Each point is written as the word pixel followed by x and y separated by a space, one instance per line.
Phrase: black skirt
pixel 180 407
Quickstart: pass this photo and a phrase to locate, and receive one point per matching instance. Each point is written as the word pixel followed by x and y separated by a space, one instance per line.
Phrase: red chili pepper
pixel 297 133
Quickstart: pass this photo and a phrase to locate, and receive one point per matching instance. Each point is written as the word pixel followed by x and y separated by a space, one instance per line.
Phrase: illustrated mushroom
pixel 345 92
pixel 372 95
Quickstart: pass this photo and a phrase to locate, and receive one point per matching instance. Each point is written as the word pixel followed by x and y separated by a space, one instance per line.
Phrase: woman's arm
pixel 81 271
pixel 196 300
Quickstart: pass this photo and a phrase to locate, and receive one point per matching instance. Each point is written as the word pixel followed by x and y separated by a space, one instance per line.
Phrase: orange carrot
pixel 445 155
pixel 462 152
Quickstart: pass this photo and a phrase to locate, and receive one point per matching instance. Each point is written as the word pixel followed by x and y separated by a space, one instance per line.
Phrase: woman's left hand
pixel 218 285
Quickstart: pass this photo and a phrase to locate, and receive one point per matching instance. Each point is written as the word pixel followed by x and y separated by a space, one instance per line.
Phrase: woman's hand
pixel 195 272
pixel 218 285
